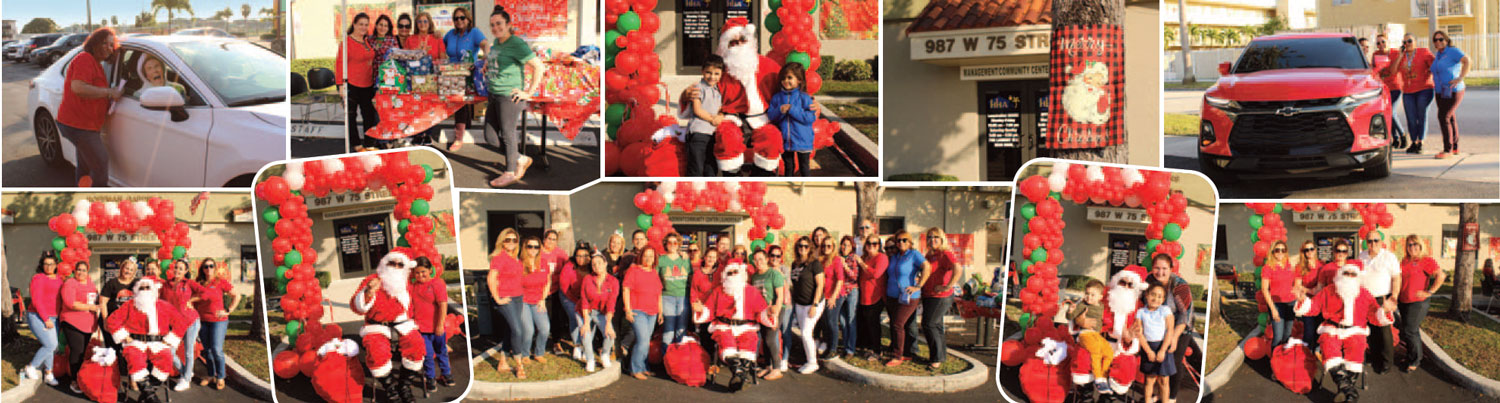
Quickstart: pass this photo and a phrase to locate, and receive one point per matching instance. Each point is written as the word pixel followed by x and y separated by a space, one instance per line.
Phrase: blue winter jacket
pixel 796 123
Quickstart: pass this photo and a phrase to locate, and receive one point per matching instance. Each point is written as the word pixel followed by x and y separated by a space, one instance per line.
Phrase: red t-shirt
pixel 534 284
pixel 1382 61
pixel 44 295
pixel 1310 278
pixel 1331 269
pixel 508 275
pixel 1414 276
pixel 361 64
pixel 554 261
pixel 644 288
pixel 211 300
pixel 568 279
pixel 701 285
pixel 76 292
pixel 425 298
pixel 944 266
pixel 79 112
pixel 597 297
pixel 832 273
pixel 1416 71
pixel 872 280
pixel 178 293
pixel 435 47
pixel 1279 281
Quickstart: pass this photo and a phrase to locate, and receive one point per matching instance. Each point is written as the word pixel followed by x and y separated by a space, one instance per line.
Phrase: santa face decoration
pixel 1087 87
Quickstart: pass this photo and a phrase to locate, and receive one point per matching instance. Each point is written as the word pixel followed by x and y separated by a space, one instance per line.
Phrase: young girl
pixel 1155 319
pixel 793 111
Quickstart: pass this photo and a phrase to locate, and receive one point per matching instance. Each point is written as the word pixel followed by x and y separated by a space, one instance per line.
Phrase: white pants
pixel 805 318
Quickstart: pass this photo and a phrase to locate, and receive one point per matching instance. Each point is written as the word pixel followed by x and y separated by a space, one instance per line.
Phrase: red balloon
pixel 1035 188
pixel 285 364
pixel 1256 348
pixel 308 362
pixel 1010 353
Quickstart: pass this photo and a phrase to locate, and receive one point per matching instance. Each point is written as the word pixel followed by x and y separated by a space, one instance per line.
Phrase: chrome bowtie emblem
pixel 1288 111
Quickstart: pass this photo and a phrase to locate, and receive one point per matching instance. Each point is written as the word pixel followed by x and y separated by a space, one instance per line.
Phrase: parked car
pixel 203 32
pixel 37 42
pixel 227 121
pixel 1296 105
pixel 44 56
pixel 12 50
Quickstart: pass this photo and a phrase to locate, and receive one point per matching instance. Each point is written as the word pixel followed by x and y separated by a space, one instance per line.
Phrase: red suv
pixel 1296 105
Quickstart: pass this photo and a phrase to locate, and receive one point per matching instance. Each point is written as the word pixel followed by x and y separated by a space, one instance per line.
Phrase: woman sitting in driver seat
pixel 154 74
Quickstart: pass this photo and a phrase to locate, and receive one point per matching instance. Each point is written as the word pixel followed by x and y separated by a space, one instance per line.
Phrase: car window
pixel 137 62
pixel 1304 53
pixel 240 72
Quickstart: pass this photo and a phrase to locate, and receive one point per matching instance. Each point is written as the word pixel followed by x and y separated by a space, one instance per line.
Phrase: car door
pixel 147 148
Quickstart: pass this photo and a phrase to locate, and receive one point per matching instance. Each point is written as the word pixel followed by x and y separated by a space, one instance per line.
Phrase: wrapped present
pixel 455 69
pixel 406 54
pixel 424 83
pixel 481 87
pixel 422 66
pixel 452 85
pixel 391 78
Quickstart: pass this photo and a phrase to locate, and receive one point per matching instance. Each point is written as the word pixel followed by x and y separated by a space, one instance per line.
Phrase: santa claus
pixel 1121 301
pixel 149 329
pixel 1084 98
pixel 1347 310
pixel 750 78
pixel 736 311
pixel 384 301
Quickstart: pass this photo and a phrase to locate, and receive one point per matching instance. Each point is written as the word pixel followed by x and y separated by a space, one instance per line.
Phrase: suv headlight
pixel 1220 103
pixel 1361 98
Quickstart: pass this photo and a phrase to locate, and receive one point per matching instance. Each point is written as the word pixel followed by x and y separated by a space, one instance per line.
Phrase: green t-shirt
pixel 505 64
pixel 768 282
pixel 674 275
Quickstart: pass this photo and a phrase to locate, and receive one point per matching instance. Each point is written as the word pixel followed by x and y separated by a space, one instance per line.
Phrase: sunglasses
pixel 1405 41
pixel 828 246
pixel 1372 241
pixel 776 255
pixel 903 240
pixel 864 227
pixel 803 246
pixel 876 243
pixel 1279 250
pixel 1439 39
pixel 509 240
pixel 403 26
pixel 1341 251
pixel 1308 249
pixel 460 18
pixel 533 246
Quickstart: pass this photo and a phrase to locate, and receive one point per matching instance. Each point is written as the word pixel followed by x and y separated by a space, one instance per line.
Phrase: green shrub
pixel 1198 291
pixel 324 278
pixel 301 66
pixel 852 70
pixel 825 69
pixel 923 177
pixel 875 68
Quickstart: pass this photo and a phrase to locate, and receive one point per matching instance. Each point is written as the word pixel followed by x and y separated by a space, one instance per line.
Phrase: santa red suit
pixel 1121 300
pixel 386 316
pixel 149 329
pixel 1347 310
pixel 750 79
pixel 737 310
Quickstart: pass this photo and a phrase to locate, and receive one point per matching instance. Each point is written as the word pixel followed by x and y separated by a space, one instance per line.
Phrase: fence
pixel 1483 52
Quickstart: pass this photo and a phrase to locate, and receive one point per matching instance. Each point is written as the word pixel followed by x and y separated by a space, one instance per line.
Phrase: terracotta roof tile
pixel 942 15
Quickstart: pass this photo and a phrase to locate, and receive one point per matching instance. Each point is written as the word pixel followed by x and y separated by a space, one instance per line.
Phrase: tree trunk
pixel 1463 267
pixel 866 196
pixel 1091 12
pixel 258 317
pixel 1187 43
pixel 561 209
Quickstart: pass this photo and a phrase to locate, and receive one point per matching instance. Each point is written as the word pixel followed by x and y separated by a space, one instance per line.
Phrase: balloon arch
pixel 747 197
pixel 130 217
pixel 1041 352
pixel 290 228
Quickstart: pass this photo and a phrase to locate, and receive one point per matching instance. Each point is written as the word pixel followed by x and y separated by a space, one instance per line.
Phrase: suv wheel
pixel 1383 168
pixel 48 139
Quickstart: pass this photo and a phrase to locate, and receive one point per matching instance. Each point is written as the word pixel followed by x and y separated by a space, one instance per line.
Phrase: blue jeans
pixel 571 309
pixel 597 320
pixel 1310 331
pixel 190 341
pixel 675 324
pixel 1412 315
pixel 1416 113
pixel 831 323
pixel 89 153
pixel 1282 330
pixel 643 325
pixel 42 360
pixel 1395 97
pixel 845 310
pixel 785 323
pixel 541 325
pixel 212 338
pixel 519 324
pixel 437 352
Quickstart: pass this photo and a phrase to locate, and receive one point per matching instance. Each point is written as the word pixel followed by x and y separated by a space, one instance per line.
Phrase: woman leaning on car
pixel 358 86
pixel 85 105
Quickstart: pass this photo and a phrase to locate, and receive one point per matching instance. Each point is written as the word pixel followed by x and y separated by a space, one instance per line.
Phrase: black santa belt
pixel 737 322
pixel 146 338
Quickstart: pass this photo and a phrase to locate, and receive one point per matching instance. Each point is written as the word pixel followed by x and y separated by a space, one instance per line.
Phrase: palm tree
pixel 1187 48
pixel 224 14
pixel 561 211
pixel 171 6
pixel 245 11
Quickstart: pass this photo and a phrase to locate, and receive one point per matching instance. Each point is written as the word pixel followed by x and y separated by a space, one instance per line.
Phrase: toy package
pixel 452 85
pixel 481 87
pixel 424 83
pixel 391 78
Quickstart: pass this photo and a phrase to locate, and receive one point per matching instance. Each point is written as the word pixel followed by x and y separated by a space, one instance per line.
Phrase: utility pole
pixel 1187 43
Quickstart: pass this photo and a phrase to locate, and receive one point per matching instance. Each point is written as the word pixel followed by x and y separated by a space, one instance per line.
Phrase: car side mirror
pixel 1224 68
pixel 161 98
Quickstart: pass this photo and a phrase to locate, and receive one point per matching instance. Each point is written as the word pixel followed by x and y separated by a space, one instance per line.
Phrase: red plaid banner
pixel 1087 87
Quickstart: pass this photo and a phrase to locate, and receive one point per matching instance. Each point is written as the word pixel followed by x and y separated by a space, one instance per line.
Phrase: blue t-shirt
pixel 457 44
pixel 1445 67
pixel 903 272
pixel 1154 321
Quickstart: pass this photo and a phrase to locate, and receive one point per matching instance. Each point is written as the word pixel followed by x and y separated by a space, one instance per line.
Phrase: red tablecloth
pixel 569 93
pixel 404 115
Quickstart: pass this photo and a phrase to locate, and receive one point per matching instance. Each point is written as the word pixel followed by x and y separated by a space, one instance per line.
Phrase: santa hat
pixel 147 284
pixel 1135 273
pixel 733 28
pixel 729 147
pixel 766 142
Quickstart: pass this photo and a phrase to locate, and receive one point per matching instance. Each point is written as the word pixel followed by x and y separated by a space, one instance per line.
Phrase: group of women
pixel 76 306
pixel 1421 76
pixel 1403 286
pixel 504 55
pixel 829 295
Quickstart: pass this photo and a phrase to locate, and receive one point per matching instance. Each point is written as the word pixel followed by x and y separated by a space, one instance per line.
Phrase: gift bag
pixel 653 357
pixel 1043 382
pixel 687 362
pixel 1294 365
pixel 481 88
pixel 98 377
pixel 391 78
pixel 337 376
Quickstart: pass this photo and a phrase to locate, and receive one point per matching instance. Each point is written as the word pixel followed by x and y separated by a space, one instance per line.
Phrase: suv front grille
pixel 1300 134
pixel 1300 103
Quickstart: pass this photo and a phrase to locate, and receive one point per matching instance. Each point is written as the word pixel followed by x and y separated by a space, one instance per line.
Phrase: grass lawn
pixel 869 89
pixel 17 353
pixel 1490 82
pixel 247 351
pixel 1169 86
pixel 917 367
pixel 1475 345
pixel 1180 124
pixel 557 367
pixel 863 115
pixel 1235 320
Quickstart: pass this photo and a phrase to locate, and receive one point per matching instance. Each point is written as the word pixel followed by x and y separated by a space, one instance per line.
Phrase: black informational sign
pixel 737 8
pixel 1041 117
pixel 349 247
pixel 697 32
pixel 1002 119
pixel 376 238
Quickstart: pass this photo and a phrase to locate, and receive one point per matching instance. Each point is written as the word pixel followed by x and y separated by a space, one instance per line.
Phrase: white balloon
pixel 1061 166
pixel 81 212
pixel 667 187
pixel 370 162
pixel 294 167
pixel 1057 182
pixel 734 204
pixel 1345 207
pixel 1133 200
pixel 700 185
pixel 333 165
pixel 1132 176
pixel 733 188
pixel 295 180
pixel 112 208
pixel 1094 173
pixel 143 210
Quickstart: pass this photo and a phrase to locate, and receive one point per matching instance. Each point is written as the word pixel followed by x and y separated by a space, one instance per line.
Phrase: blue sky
pixel 67 12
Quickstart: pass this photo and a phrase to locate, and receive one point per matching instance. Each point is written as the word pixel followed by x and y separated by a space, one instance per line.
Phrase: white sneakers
pixel 608 362
pixel 808 369
pixel 31 373
pixel 782 366
pixel 577 353
pixel 182 385
pixel 50 380
pixel 590 368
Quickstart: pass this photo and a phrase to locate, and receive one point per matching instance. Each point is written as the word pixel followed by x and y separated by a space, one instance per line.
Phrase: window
pixel 1450 241
pixel 890 225
pixel 994 248
pixel 1339 53
pixel 240 72
pixel 1342 2
pixel 1454 30
pixel 141 69
pixel 1221 242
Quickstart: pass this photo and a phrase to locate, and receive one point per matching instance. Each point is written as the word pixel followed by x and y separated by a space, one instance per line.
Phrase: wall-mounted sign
pixel 984 42
pixel 1118 216
pixel 1307 217
pixel 333 215
pixel 1002 119
pixel 1469 240
pixel 707 219
pixel 348 198
pixel 1121 229
pixel 120 237
pixel 1087 80
pixel 1003 72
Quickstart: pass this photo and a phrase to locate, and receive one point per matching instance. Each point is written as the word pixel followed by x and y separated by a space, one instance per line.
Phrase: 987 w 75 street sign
pixel 985 42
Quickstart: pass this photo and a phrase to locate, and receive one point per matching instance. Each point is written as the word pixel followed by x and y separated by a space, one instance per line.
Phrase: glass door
pixel 1013 123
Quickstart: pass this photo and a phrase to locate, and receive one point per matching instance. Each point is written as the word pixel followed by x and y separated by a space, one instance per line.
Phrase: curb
pixel 1460 373
pixel 859 148
pixel 481 390
pixel 240 376
pixel 961 381
pixel 25 388
pixel 1227 368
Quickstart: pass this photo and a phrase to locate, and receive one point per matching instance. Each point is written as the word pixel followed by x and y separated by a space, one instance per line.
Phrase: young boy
pixel 703 119
pixel 1089 316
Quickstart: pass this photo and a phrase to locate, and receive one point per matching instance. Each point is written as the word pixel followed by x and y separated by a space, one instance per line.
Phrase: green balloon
pixel 1025 320
pixel 271 215
pixel 1277 209
pixel 270 232
pixel 1055 195
pixel 293 328
pixel 1038 255
pixel 643 221
pixel 281 289
pixel 281 273
pixel 610 130
pixel 1254 237
pixel 770 238
pixel 614 114
pixel 178 252
pixel 757 245
pixel 403 225
pixel 1256 221
pixel 814 9
pixel 402 242
pixel 59 243
pixel 419 207
pixel 1028 210
pixel 667 208
pixel 609 62
pixel 775 4
pixel 1172 232
pixel 1024 267
pixel 1263 318
pixel 628 21
pixel 773 23
pixel 427 173
pixel 292 258
pixel 1151 246
pixel 800 57
pixel 609 41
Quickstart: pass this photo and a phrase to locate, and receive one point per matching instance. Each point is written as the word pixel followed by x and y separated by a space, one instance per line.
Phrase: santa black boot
pixel 1351 393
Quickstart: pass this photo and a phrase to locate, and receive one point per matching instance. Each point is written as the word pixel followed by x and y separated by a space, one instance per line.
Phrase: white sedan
pixel 226 121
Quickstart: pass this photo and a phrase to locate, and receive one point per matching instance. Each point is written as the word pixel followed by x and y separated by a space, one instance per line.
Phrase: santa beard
pixel 1122 301
pixel 393 282
pixel 145 301
pixel 741 62
pixel 1348 289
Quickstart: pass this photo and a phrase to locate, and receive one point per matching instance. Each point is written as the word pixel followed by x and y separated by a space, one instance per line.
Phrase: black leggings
pixel 77 342
pixel 796 162
pixel 867 320
pixel 361 105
